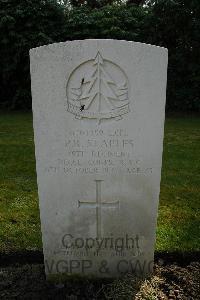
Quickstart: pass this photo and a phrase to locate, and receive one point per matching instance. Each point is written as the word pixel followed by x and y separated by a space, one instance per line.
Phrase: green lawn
pixel 179 210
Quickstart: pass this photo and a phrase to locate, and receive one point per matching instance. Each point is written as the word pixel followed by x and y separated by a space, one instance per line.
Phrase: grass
pixel 179 212
pixel 19 213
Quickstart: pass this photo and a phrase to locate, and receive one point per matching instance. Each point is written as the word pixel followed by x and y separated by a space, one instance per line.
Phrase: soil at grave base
pixel 169 281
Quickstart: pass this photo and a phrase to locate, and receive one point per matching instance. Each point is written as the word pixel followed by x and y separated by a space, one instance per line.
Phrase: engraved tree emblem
pixel 98 95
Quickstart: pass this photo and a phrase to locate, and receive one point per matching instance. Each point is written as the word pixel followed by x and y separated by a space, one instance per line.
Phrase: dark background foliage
pixel 174 24
pixel 24 24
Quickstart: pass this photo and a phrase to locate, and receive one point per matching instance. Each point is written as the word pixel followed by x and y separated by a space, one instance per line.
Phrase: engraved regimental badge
pixel 98 89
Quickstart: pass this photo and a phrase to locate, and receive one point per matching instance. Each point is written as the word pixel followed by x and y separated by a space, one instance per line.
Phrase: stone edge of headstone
pixel 32 50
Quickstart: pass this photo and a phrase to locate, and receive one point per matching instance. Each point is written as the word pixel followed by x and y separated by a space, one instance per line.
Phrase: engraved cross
pixel 98 204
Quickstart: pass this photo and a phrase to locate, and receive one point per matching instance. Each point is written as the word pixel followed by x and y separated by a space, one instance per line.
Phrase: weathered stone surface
pixel 98 108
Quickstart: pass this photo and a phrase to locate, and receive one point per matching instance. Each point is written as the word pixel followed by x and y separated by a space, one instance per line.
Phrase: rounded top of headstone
pixel 113 41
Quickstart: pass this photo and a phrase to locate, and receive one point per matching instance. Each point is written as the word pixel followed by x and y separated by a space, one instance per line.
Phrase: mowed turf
pixel 179 210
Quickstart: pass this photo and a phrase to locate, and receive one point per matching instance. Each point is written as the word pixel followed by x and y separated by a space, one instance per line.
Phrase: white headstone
pixel 98 108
